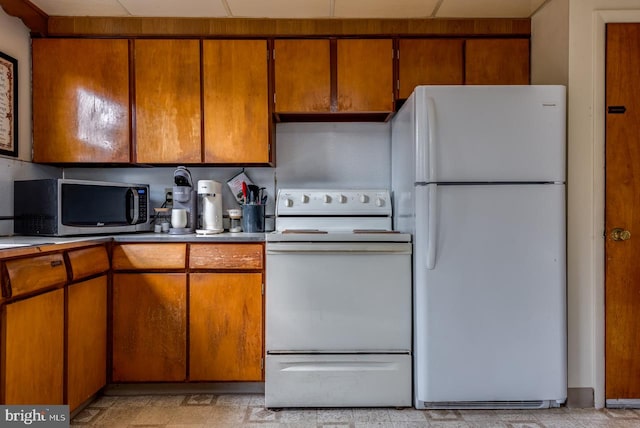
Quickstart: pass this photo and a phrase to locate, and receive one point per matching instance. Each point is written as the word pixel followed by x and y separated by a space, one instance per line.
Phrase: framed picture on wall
pixel 8 105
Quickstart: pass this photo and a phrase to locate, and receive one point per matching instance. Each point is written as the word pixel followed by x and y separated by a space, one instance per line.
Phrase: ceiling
pixel 293 9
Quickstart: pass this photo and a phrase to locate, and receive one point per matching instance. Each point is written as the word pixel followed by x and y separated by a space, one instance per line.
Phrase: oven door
pixel 349 297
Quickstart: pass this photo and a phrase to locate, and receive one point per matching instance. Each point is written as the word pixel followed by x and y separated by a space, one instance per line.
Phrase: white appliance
pixel 478 177
pixel 338 302
pixel 209 207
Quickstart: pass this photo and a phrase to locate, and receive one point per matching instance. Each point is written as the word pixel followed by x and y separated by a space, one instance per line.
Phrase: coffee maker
pixel 184 197
pixel 209 207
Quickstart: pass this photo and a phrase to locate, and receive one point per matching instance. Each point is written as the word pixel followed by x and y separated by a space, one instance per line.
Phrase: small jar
pixel 235 215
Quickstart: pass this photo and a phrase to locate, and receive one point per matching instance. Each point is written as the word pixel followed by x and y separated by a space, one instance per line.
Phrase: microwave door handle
pixel 133 206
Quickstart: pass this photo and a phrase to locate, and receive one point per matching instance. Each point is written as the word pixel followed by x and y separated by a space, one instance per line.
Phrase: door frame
pixel 600 19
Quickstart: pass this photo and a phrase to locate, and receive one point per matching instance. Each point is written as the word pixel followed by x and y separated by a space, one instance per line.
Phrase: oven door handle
pixel 337 247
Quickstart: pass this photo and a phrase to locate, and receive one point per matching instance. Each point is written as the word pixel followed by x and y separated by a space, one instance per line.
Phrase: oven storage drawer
pixel 338 380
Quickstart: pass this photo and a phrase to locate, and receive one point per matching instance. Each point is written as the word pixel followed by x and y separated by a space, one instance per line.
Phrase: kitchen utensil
pixel 244 192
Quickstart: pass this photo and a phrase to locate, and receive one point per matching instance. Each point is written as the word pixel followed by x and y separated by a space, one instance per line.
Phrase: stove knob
pixel 304 199
pixel 342 199
pixel 364 199
pixel 327 199
pixel 380 202
pixel 288 202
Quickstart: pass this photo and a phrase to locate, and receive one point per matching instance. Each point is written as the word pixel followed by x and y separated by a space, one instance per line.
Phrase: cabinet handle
pixel 56 263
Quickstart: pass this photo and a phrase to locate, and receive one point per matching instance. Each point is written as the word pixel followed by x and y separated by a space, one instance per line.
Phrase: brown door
pixel 365 75
pixel 302 76
pixel 429 62
pixel 622 249
pixel 497 62
pixel 225 321
pixel 236 101
pixel 149 327
pixel 80 100
pixel 167 101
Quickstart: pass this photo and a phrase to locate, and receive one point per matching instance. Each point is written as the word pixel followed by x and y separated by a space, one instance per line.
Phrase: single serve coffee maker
pixel 209 207
pixel 184 213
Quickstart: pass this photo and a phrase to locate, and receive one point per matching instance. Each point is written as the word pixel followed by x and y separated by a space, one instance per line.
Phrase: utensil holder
pixel 253 218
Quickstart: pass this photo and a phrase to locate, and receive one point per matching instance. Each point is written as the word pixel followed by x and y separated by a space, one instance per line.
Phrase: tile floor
pixel 247 410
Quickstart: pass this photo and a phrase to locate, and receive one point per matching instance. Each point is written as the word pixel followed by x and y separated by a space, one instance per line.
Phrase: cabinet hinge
pixel 398 53
pixel 274 98
pixel 261 363
pixel 263 282
pixel 398 84
pixel 268 151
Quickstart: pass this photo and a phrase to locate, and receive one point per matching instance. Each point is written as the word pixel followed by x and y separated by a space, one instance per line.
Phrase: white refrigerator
pixel 478 178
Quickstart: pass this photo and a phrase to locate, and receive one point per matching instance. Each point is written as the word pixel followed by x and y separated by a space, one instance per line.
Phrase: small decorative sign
pixel 8 105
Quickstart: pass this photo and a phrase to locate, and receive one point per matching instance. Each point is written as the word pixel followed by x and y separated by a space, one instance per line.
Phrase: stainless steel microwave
pixel 63 207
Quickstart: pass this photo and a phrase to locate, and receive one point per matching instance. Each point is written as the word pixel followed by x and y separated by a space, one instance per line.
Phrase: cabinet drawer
pixel 34 273
pixel 88 261
pixel 149 256
pixel 225 256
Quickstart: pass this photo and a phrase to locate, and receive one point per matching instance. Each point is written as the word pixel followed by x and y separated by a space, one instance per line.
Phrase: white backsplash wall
pixel 333 155
pixel 159 178
pixel 308 155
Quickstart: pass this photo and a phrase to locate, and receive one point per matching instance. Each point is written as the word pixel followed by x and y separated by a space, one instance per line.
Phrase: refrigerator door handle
pixel 431 137
pixel 432 225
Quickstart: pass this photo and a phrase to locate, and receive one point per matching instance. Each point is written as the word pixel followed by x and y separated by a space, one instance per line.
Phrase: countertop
pixel 35 244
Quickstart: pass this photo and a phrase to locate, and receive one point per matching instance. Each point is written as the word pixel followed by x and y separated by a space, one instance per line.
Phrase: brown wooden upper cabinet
pixel 167 101
pixel 236 101
pixel 497 62
pixel 302 75
pixel 429 62
pixel 360 78
pixel 80 101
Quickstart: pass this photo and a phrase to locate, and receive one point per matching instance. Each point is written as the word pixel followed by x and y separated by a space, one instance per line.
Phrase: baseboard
pixel 580 398
pixel 185 388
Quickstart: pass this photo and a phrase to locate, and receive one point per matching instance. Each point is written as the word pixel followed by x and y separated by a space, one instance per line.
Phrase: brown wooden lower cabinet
pixel 33 350
pixel 149 327
pixel 86 339
pixel 225 327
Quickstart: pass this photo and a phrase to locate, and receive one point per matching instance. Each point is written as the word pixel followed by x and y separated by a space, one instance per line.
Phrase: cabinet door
pixel 497 62
pixel 149 327
pixel 33 350
pixel 429 62
pixel 80 101
pixel 302 76
pixel 236 109
pixel 167 101
pixel 365 75
pixel 225 326
pixel 86 339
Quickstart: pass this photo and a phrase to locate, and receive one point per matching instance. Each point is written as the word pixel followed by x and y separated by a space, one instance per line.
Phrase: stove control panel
pixel 333 202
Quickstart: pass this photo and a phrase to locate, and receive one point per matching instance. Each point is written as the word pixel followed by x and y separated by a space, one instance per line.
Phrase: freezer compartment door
pixel 338 380
pixel 490 293
pixel 488 134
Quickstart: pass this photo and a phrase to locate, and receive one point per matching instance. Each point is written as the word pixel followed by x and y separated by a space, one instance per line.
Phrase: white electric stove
pixel 338 302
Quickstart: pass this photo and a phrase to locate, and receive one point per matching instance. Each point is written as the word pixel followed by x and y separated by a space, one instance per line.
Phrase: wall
pixel 550 65
pixel 307 155
pixel 15 42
